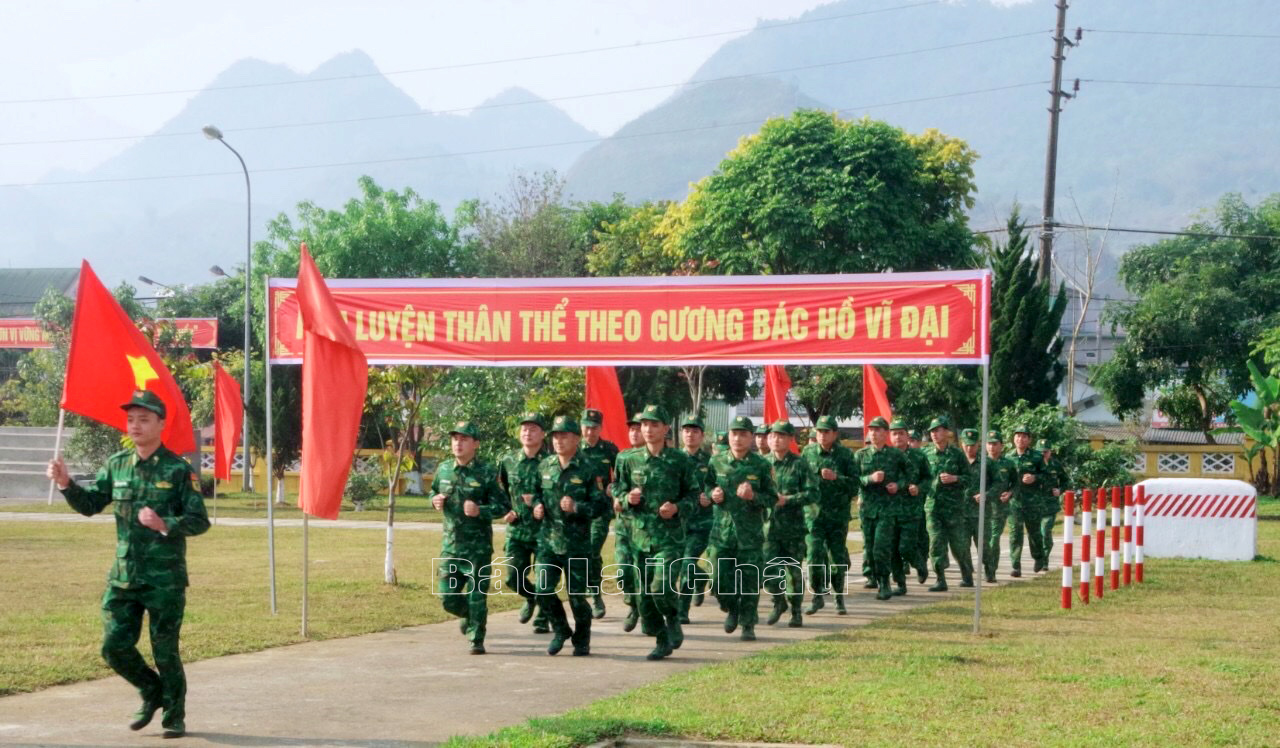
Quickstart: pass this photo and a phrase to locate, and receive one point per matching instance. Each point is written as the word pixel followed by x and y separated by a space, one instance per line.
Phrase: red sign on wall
pixel 900 318
pixel 25 332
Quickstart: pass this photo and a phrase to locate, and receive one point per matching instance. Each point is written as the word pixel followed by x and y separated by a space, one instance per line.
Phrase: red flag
pixel 875 395
pixel 228 419
pixel 776 386
pixel 335 375
pixel 110 358
pixel 604 394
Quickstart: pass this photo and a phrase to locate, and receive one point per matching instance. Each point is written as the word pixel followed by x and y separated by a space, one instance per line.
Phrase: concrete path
pixel 415 687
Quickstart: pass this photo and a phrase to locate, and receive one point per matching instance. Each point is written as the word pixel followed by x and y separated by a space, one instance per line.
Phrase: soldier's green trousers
pixel 1048 519
pixel 624 556
pixel 576 571
pixel 599 534
pixel 867 519
pixel 657 599
pixel 949 529
pixel 692 579
pixel 1024 518
pixel 971 526
pixel 464 591
pixel 828 553
pixel 739 573
pixel 520 556
pixel 921 558
pixel 122 611
pixel 787 552
pixel 895 542
pixel 997 516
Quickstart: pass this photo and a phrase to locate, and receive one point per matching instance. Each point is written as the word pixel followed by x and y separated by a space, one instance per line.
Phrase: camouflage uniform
pixel 564 541
pixel 657 544
pixel 890 516
pixel 150 570
pixel 972 478
pixel 740 562
pixel 829 524
pixel 1055 478
pixel 915 455
pixel 468 541
pixel 1025 506
pixel 626 572
pixel 697 530
pixel 600 457
pixel 784 547
pixel 518 474
pixel 1001 477
pixel 946 511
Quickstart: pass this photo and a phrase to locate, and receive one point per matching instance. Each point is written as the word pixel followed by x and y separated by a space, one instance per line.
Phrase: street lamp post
pixel 214 133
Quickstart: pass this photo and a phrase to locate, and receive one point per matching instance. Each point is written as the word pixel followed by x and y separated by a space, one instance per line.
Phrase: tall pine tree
pixel 1025 319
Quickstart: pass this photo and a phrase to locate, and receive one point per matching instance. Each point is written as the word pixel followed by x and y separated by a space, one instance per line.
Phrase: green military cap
pixel 969 436
pixel 534 418
pixel 762 429
pixel 941 422
pixel 633 420
pixel 466 428
pixel 146 399
pixel 564 423
pixel 653 413
pixel 994 436
pixel 592 417
pixel 826 423
pixel 1022 429
pixel 914 434
pixel 741 423
pixel 783 426
pixel 878 423
pixel 722 437
pixel 693 421
pixel 1044 444
pixel 898 424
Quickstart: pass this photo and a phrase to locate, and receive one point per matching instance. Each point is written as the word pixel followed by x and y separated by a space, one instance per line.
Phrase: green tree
pixel 1026 316
pixel 1086 467
pixel 529 232
pixel 1203 306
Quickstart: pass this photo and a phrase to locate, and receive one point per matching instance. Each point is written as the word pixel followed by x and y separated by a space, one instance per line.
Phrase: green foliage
pixel 639 243
pixel 1069 438
pixel 222 299
pixel 527 233
pixel 1260 422
pixel 490 397
pixel 921 393
pixel 1205 306
pixel 363 485
pixel 1025 319
pixel 556 390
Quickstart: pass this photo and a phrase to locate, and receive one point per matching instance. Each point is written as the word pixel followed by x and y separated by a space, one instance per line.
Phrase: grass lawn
pixel 254 506
pixel 54 576
pixel 1191 658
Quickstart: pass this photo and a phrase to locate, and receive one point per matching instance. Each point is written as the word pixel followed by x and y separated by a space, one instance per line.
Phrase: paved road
pixel 415 686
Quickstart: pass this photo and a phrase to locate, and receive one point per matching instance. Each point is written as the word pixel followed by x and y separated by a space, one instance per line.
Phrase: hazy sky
pixel 92 48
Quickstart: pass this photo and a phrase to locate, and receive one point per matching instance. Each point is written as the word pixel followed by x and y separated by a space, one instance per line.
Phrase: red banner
pixel 25 332
pixel 931 318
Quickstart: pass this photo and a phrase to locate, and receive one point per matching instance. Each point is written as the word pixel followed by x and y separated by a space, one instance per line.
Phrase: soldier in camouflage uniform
pixel 657 486
pixel 915 445
pixel 1000 483
pixel 915 479
pixel 722 443
pixel 157 506
pixel 1056 481
pixel 945 506
pixel 744 492
pixel 832 464
pixel 600 454
pixel 518 474
pixel 1025 506
pixel 881 469
pixel 466 490
pixel 628 578
pixel 570 495
pixel 697 526
pixel 784 548
pixel 969 445
pixel 761 446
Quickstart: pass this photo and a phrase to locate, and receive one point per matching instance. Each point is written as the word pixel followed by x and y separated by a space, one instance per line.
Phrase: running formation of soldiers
pixel 759 507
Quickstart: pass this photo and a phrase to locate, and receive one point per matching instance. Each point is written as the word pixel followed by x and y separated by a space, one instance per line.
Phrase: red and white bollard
pixel 1117 517
pixel 1086 544
pixel 1139 510
pixel 1128 535
pixel 1099 542
pixel 1068 519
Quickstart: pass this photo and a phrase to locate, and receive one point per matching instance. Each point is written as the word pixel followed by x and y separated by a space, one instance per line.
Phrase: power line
pixel 481 63
pixel 638 89
pixel 507 149
pixel 1182 83
pixel 1165 232
pixel 1200 34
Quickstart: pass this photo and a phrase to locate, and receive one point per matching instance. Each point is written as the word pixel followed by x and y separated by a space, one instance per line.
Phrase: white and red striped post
pixel 1128 535
pixel 1117 501
pixel 1099 542
pixel 1068 564
pixel 1139 511
pixel 1086 544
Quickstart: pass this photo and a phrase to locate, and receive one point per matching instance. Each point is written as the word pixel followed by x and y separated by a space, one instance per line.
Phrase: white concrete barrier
pixel 1200 518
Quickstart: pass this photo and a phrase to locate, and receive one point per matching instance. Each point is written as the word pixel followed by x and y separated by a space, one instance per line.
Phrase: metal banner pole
pixel 266 361
pixel 982 499
pixel 304 574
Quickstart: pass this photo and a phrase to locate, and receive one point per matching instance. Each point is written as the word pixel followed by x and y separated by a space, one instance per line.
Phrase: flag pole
pixel 982 500
pixel 304 574
pixel 266 365
pixel 57 448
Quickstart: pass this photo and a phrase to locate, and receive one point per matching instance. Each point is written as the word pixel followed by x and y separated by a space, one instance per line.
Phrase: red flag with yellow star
pixel 110 358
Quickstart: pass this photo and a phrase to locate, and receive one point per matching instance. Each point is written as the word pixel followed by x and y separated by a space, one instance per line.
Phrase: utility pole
pixel 1056 95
